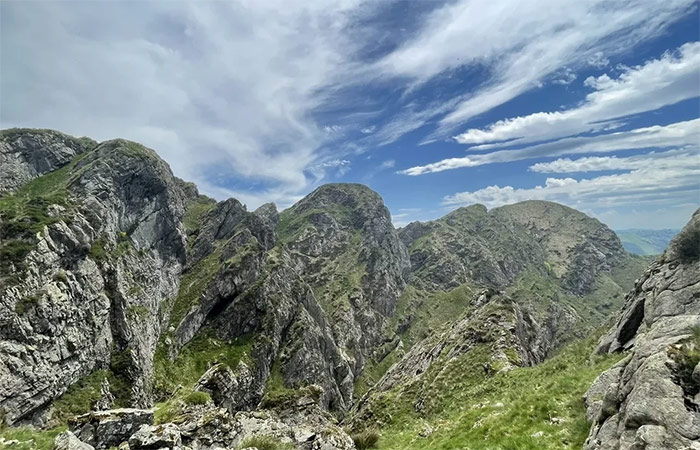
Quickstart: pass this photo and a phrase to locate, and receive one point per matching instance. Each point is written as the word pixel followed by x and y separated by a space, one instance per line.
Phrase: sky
pixel 434 104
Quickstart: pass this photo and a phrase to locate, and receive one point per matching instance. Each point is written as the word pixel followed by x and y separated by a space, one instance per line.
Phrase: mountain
pixel 646 242
pixel 135 309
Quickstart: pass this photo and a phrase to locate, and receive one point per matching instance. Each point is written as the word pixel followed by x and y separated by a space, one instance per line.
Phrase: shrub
pixel 27 302
pixel 61 276
pixel 265 443
pixel 688 244
pixel 687 357
pixel 197 398
pixel 97 251
pixel 366 439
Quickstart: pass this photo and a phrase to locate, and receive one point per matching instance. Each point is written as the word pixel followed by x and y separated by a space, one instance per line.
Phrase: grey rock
pixel 646 401
pixel 106 398
pixel 125 201
pixel 68 441
pixel 156 437
pixel 28 153
pixel 105 429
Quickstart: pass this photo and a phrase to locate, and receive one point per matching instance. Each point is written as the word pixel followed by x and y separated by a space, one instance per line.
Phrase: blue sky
pixel 435 105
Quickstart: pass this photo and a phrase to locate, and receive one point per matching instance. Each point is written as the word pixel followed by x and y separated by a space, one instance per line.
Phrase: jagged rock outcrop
pixel 105 429
pixel 303 425
pixel 91 255
pixel 651 399
pixel 68 441
pixel 27 153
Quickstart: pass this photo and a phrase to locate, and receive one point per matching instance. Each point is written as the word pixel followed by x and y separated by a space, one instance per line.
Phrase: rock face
pixel 90 257
pixel 302 425
pixel 27 154
pixel 105 429
pixel 68 441
pixel 651 399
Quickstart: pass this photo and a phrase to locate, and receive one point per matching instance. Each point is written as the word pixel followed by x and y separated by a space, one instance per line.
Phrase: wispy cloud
pixel 671 159
pixel 679 134
pixel 664 81
pixel 651 183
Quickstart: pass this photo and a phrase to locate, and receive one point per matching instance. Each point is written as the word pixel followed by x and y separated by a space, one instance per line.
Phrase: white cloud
pixel 368 130
pixel 657 83
pixel 663 160
pixel 681 134
pixel 647 184
pixel 566 76
pixel 598 60
pixel 521 42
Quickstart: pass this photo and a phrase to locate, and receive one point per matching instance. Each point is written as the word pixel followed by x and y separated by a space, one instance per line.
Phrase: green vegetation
pixel 197 398
pixel 192 285
pixel 532 408
pixel 27 302
pixel 646 242
pixel 265 443
pixel 137 312
pixel 196 357
pixel 174 380
pixel 277 394
pixel 97 250
pixel 30 438
pixel 196 209
pixel 365 439
pixel 688 244
pixel 687 357
pixel 82 395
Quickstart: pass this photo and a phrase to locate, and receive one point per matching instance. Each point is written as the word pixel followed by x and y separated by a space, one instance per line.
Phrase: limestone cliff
pixel 651 399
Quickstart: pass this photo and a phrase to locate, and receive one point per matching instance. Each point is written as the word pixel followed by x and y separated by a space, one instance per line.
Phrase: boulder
pixel 105 429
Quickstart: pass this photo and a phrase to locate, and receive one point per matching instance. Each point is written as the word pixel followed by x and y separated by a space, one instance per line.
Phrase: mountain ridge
pixel 289 315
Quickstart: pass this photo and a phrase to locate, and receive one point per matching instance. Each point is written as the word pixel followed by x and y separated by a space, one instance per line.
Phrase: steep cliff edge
pixel 651 399
pixel 90 253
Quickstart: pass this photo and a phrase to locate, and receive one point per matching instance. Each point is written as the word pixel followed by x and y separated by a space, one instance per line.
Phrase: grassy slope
pixel 505 412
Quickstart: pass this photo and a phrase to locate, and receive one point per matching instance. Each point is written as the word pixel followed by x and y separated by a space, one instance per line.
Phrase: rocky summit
pixel 136 313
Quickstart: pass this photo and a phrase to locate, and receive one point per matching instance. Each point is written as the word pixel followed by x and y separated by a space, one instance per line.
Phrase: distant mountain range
pixel 646 242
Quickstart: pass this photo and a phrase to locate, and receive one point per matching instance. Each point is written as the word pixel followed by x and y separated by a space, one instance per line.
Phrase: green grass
pixel 197 398
pixel 82 395
pixel 192 285
pixel 265 443
pixel 196 209
pixel 365 440
pixel 174 380
pixel 469 410
pixel 30 438
pixel 194 359
pixel 278 394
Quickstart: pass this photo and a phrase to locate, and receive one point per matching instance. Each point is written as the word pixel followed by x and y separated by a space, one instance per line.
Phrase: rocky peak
pixel 28 153
pixel 651 399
